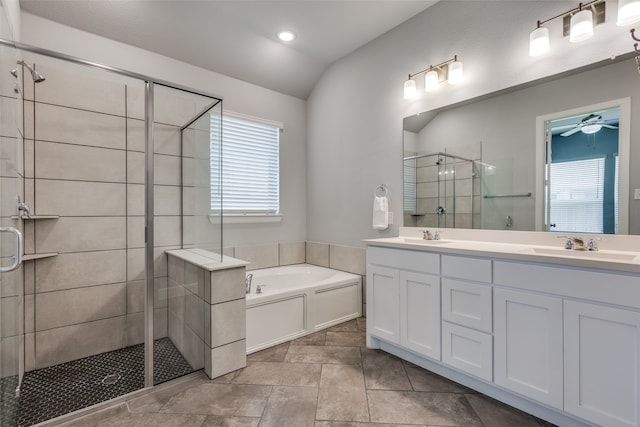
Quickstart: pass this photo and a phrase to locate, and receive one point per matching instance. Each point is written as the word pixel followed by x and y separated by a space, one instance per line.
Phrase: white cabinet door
pixel 468 350
pixel 602 364
pixel 383 303
pixel 420 313
pixel 528 345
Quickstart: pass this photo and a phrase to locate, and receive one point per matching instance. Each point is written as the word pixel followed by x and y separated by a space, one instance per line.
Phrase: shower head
pixel 37 77
pixel 14 72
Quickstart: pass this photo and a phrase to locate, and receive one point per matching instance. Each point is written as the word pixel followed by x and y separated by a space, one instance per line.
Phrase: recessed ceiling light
pixel 286 36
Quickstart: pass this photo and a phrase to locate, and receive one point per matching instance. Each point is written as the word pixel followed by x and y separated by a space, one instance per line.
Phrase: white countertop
pixel 206 259
pixel 545 248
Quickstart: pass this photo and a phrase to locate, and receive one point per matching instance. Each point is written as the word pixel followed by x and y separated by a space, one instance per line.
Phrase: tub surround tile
pixel 227 358
pixel 342 395
pixel 228 322
pixel 318 253
pixel 348 258
pixel 259 256
pixel 292 253
pixel 226 285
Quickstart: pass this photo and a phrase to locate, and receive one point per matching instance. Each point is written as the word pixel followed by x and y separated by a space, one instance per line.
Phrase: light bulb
pixel 410 91
pixel 539 41
pixel 456 73
pixel 581 26
pixel 286 36
pixel 628 12
pixel 431 81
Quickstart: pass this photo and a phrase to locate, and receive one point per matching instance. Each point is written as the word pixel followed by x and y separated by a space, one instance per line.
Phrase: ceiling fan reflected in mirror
pixel 590 124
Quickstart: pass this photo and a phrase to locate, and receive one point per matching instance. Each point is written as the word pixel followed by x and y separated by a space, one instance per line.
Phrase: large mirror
pixel 552 155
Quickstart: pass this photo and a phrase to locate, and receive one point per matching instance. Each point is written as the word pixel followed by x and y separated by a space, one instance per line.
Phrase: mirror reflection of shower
pixel 37 77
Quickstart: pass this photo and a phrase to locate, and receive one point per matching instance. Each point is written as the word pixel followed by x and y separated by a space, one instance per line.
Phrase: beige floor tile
pixel 217 421
pixel 350 326
pixel 220 399
pixel 348 424
pixel 423 380
pixel 342 396
pixel 317 354
pixel 317 338
pixel 438 409
pixel 346 339
pixel 497 414
pixel 277 373
pixel 383 371
pixel 291 407
pixel 362 324
pixel 145 420
pixel 273 354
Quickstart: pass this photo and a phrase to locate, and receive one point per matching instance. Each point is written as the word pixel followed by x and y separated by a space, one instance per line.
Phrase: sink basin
pixel 596 255
pixel 425 242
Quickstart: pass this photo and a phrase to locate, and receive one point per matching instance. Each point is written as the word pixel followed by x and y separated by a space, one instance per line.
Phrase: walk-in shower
pixel 439 191
pixel 115 168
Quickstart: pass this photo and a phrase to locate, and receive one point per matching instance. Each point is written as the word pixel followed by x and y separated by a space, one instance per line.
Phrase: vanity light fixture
pixel 628 12
pixel 450 71
pixel 578 24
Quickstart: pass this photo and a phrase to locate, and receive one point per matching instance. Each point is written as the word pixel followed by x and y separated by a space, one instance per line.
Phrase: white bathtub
pixel 297 300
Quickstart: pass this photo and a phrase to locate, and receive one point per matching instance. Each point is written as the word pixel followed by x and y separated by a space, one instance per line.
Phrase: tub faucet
pixel 247 283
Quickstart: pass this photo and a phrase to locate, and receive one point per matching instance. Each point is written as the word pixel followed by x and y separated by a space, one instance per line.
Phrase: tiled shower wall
pixel 84 161
pixel 454 185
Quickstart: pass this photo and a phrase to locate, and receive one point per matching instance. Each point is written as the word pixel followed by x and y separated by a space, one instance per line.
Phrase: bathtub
pixel 297 300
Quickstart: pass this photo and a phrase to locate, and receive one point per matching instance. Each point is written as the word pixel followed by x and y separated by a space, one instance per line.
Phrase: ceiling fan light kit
pixel 589 124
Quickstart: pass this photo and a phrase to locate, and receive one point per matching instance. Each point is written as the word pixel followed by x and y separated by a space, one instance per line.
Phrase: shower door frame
pixel 149 83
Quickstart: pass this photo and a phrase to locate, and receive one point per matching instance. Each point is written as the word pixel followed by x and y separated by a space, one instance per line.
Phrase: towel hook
pixel 381 191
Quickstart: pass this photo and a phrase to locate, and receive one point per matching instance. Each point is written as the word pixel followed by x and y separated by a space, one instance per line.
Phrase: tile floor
pixel 328 379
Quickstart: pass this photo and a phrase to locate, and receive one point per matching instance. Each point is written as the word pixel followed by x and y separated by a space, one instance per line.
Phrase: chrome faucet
pixel 259 289
pixel 592 245
pixel 574 243
pixel 247 283
pixel 426 235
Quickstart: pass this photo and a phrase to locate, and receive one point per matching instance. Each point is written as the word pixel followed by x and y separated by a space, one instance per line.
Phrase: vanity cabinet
pixel 528 344
pixel 404 304
pixel 466 315
pixel 560 342
pixel 602 363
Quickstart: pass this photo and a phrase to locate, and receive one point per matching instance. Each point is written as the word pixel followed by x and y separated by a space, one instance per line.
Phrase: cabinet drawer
pixel 467 350
pixel 423 262
pixel 468 268
pixel 467 304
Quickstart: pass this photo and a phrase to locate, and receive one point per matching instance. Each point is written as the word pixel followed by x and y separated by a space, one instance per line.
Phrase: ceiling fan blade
pixel 610 126
pixel 571 132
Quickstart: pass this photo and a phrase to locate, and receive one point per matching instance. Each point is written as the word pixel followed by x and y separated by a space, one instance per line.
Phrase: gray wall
pixel 355 112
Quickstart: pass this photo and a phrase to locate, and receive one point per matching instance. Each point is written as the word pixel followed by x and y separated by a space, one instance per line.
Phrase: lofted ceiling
pixel 238 37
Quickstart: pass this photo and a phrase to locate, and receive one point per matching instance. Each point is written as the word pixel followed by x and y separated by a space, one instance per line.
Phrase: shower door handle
pixel 18 257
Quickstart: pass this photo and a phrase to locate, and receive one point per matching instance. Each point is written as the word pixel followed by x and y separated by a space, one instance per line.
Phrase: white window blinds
pixel 577 195
pixel 250 167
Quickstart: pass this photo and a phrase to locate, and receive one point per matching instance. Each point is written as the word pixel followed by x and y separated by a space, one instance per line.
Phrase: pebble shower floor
pixel 57 390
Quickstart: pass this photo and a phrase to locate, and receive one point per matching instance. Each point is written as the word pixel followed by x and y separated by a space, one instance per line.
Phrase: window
pixel 250 167
pixel 577 195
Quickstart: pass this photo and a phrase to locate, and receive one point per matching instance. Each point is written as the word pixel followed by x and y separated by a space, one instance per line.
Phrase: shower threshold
pixel 61 389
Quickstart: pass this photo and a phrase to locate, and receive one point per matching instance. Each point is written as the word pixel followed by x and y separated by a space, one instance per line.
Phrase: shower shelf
pixel 29 257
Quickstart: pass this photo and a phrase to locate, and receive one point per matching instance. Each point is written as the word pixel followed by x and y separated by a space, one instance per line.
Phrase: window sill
pixel 245 219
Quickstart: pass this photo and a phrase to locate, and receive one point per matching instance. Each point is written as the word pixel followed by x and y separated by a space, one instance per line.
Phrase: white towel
pixel 380 213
